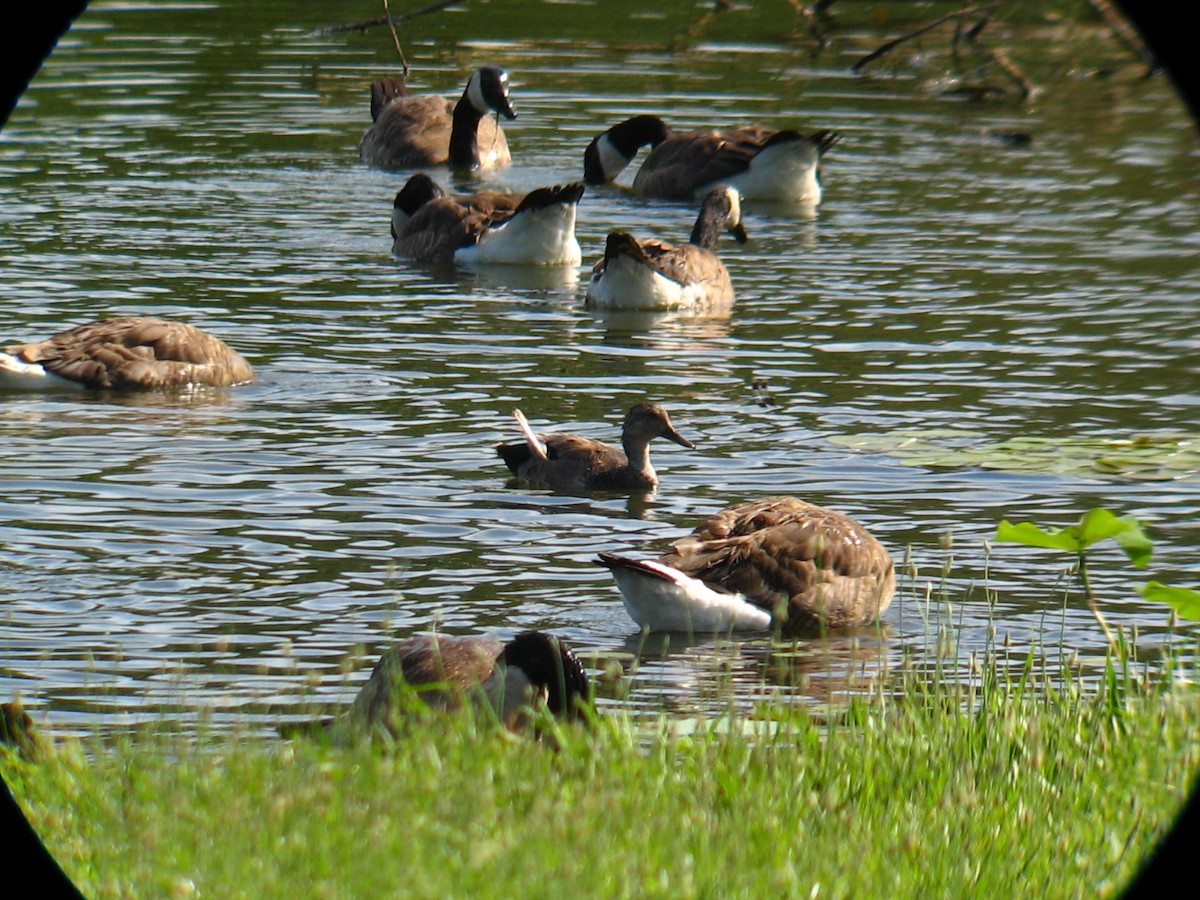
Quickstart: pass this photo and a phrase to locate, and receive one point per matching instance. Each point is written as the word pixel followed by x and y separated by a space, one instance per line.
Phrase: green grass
pixel 1058 791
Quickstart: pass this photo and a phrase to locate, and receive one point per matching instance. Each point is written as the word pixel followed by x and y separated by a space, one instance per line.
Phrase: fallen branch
pixel 1125 33
pixel 985 11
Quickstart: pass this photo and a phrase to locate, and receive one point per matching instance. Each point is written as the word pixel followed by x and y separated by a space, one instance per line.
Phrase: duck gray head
pixel 646 421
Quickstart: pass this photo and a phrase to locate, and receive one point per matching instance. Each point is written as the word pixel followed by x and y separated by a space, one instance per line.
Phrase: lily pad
pixel 1150 457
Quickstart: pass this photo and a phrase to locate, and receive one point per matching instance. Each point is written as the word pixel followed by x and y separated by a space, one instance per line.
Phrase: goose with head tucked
pixel 774 563
pixel 440 672
pixel 488 227
pixel 125 353
pixel 651 274
pixel 572 462
pixel 412 130
pixel 762 163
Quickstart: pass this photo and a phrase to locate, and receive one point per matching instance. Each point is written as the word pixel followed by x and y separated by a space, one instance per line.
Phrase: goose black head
pixel 487 90
pixel 612 150
pixel 549 664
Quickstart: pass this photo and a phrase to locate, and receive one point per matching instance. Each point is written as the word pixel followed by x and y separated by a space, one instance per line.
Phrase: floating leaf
pixel 1149 457
pixel 1184 601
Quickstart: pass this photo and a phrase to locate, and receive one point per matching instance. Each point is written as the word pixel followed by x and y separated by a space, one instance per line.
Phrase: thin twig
pixel 387 14
pixel 892 45
pixel 398 20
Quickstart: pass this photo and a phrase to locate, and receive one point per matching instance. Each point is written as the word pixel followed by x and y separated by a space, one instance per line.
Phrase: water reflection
pixel 693 674
pixel 671 329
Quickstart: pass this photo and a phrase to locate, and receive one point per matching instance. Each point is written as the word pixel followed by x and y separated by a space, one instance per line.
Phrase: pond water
pixel 973 327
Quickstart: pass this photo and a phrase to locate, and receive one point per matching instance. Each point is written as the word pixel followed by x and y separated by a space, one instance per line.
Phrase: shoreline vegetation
pixel 1027 775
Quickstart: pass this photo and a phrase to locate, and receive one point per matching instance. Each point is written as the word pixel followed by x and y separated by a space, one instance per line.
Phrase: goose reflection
pixel 685 674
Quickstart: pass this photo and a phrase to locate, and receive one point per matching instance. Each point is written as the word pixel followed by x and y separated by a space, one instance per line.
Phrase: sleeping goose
pixel 778 562
pixel 129 352
pixel 536 229
pixel 573 462
pixel 411 130
pixel 762 163
pixel 652 274
pixel 437 671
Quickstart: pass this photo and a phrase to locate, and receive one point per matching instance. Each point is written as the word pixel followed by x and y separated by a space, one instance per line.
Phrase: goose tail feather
pixel 659 597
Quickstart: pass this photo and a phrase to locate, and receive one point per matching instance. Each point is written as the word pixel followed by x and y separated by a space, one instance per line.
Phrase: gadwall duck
pixel 762 163
pixel 572 462
pixel 412 130
pixel 125 353
pixel 439 672
pixel 778 562
pixel 488 227
pixel 652 274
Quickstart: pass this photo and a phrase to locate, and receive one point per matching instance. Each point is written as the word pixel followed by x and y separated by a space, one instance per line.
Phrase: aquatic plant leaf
pixel 1032 536
pixel 1135 542
pixel 1097 524
pixel 1185 601
pixel 1094 525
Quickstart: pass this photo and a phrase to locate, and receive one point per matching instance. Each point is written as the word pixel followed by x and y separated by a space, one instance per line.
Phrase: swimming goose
pixel 129 352
pixel 411 130
pixel 537 229
pixel 652 274
pixel 774 562
pixel 437 671
pixel 570 461
pixel 762 163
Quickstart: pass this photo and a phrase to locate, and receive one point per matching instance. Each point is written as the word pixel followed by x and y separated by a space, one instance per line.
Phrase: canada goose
pixel 441 671
pixel 652 274
pixel 778 561
pixel 429 130
pixel 537 229
pixel 129 352
pixel 762 163
pixel 570 461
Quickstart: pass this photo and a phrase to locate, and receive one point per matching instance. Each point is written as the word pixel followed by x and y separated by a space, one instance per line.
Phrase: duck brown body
pixel 574 462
